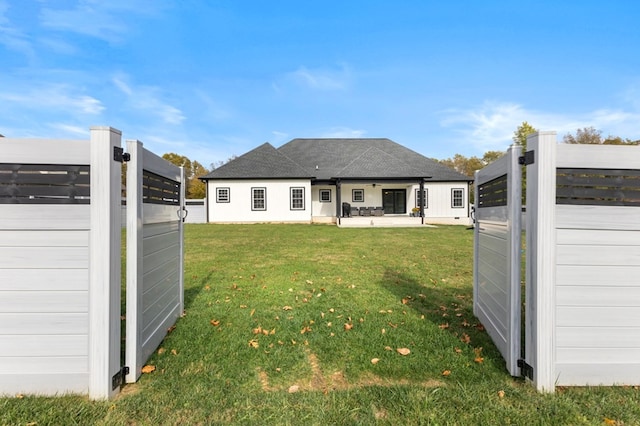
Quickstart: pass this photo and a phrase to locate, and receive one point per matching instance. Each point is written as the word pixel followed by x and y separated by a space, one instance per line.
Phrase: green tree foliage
pixel 192 171
pixel 592 136
pixel 521 133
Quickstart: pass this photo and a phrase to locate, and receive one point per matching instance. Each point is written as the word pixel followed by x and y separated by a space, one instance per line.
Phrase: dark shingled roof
pixel 327 159
pixel 264 162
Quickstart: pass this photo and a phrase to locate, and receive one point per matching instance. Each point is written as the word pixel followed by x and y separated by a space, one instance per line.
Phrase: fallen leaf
pixel 405 301
pixel 403 351
pixel 465 338
pixel 388 348
pixel 305 329
pixel 608 421
pixel 332 310
pixel 273 331
pixel 480 327
pixel 254 343
pixel 458 350
pixel 443 326
pixel 148 369
pixel 170 329
pixel 374 361
pixel 161 351
pixel 348 326
pixel 287 308
pixel 479 359
pixel 215 322
pixel 257 330
pixel 265 332
pixel 309 282
pixel 253 311
pixel 174 352
pixel 446 372
pixel 243 306
pixel 500 394
pixel 384 331
pixel 207 287
pixel 294 389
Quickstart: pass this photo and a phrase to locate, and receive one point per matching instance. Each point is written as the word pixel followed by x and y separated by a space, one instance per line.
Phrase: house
pixel 321 180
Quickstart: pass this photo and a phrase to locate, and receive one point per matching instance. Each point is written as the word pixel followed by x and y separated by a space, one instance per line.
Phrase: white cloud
pixel 343 132
pixel 57 97
pixel 491 126
pixel 69 129
pixel 12 37
pixel 147 99
pixel 106 20
pixel 320 79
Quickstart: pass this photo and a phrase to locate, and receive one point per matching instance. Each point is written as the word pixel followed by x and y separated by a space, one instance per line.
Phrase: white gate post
pixel 183 185
pixel 104 264
pixel 540 263
pixel 135 267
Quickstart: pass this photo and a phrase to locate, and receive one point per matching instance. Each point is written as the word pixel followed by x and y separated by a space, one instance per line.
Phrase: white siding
pixel 278 201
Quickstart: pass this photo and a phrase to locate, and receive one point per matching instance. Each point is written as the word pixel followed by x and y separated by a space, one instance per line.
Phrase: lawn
pixel 301 324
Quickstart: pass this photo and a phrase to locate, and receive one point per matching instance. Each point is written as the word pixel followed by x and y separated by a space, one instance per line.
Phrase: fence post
pixel 540 263
pixel 183 186
pixel 104 264
pixel 133 357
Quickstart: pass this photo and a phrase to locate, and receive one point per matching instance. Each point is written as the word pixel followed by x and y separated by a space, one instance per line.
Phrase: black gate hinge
pixel 526 159
pixel 119 155
pixel 118 379
pixel 525 369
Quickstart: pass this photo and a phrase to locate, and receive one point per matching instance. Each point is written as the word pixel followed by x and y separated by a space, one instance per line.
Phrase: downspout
pixel 338 200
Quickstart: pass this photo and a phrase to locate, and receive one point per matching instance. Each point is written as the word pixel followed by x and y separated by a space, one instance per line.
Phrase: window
pixel 357 195
pixel 297 198
pixel 457 198
pixel 258 198
pixel 418 199
pixel 325 195
pixel 223 195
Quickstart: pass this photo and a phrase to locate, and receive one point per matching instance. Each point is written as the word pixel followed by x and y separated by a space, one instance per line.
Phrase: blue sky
pixel 212 79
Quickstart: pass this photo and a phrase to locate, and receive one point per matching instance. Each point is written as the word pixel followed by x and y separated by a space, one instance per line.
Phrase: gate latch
pixel 119 155
pixel 526 159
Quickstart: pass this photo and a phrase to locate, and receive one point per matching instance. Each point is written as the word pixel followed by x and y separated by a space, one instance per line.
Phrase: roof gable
pixel 264 162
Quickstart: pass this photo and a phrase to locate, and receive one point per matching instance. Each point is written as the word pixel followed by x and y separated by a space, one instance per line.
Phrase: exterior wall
pixel 439 208
pixel 323 212
pixel 278 201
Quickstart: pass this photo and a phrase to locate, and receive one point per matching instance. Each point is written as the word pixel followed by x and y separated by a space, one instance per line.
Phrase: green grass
pixel 397 288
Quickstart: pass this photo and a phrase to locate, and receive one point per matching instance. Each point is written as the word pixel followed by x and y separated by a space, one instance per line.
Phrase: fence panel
pixel 58 276
pixel 497 254
pixel 155 205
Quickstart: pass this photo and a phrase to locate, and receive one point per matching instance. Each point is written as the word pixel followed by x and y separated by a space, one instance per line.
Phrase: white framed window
pixel 457 198
pixel 297 198
pixel 426 198
pixel 325 195
pixel 258 198
pixel 223 195
pixel 357 195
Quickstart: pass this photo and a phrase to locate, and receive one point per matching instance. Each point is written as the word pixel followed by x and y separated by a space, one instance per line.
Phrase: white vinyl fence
pixel 582 301
pixel 155 205
pixel 496 287
pixel 60 273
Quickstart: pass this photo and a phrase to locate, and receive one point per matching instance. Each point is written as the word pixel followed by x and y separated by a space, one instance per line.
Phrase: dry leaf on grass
pixel 443 326
pixel 403 351
pixel 148 369
pixel 174 352
pixel 374 361
pixel 254 343
pixel 161 351
pixel 215 322
pixel 294 389
pixel 500 394
pixel 348 326
pixel 446 373
pixel 287 308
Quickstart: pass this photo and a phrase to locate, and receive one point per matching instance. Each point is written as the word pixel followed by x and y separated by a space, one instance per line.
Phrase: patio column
pixel 338 199
pixel 422 200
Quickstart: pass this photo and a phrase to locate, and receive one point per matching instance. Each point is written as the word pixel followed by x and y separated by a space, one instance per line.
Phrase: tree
pixel 195 188
pixel 521 133
pixel 592 136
